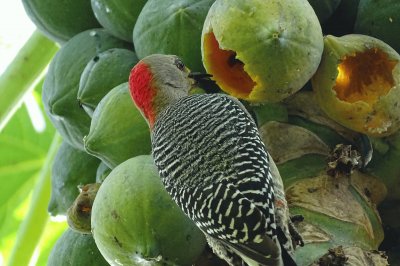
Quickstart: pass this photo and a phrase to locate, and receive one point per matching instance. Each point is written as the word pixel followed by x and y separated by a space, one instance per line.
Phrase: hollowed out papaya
pixel 261 51
pixel 357 84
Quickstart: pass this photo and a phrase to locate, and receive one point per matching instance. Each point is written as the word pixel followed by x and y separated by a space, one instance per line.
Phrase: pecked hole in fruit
pixel 365 76
pixel 226 69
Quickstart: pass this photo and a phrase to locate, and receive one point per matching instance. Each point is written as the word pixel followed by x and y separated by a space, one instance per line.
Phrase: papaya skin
pixel 61 84
pixel 76 249
pixel 273 54
pixel 117 130
pixel 71 168
pixel 172 27
pixel 118 16
pixel 105 71
pixel 357 84
pixel 61 20
pixel 135 221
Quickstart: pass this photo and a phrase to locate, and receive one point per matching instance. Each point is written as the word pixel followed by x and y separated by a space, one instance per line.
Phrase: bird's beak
pixel 203 82
pixel 198 77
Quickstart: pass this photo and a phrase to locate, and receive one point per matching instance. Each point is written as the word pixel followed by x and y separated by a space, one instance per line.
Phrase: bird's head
pixel 157 81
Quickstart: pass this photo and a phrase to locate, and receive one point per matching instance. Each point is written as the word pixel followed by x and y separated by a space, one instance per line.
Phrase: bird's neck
pixel 165 97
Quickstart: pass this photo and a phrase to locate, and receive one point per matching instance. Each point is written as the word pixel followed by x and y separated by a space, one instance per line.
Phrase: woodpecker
pixel 211 161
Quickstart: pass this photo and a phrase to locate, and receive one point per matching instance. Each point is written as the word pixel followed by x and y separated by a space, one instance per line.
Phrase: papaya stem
pixel 32 227
pixel 21 74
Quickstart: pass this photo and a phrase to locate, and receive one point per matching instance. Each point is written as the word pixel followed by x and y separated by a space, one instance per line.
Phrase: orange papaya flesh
pixel 227 71
pixel 364 76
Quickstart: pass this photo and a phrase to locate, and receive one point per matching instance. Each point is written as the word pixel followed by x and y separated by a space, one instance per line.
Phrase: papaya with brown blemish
pixel 135 221
pixel 261 51
pixel 358 84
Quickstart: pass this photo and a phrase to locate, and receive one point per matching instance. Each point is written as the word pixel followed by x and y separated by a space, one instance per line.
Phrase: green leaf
pixel 52 232
pixel 37 217
pixel 23 153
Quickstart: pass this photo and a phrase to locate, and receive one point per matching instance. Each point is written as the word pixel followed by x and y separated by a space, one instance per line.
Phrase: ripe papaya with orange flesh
pixel 358 84
pixel 261 51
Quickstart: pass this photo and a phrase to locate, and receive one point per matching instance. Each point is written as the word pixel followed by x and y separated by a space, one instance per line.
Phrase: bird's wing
pixel 211 160
pixel 225 214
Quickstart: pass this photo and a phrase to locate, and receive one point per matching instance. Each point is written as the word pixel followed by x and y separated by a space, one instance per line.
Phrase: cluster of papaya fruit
pixel 321 77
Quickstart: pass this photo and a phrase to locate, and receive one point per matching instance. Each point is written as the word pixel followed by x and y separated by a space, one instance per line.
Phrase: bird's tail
pixel 266 253
pixel 287 258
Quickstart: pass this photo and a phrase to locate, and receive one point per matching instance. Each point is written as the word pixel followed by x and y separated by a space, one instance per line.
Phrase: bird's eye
pixel 179 64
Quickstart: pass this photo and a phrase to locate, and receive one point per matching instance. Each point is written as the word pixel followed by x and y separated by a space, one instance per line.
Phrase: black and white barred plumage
pixel 215 166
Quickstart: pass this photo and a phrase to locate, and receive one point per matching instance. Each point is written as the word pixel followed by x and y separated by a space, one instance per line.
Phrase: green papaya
pixel 105 71
pixel 118 130
pixel 71 168
pixel 118 16
pixel 61 84
pixel 102 172
pixel 75 249
pixel 324 8
pixel 61 20
pixel 172 27
pixel 135 221
pixel 380 19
